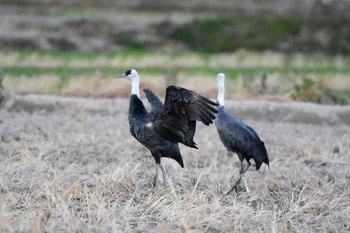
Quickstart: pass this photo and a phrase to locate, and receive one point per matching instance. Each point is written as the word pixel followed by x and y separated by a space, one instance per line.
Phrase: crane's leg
pixel 165 175
pixel 156 155
pixel 241 172
pixel 155 177
pixel 248 165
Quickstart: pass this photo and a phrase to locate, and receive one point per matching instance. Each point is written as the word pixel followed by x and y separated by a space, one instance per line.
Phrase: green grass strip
pixel 108 71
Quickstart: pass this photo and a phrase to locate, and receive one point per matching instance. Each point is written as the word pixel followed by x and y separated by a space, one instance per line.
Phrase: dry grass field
pixel 71 165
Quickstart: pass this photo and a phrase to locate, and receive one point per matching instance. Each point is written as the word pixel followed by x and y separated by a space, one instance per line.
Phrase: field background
pixel 69 164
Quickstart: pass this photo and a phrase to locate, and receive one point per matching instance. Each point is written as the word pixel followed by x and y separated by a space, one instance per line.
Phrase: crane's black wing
pixel 157 105
pixel 182 108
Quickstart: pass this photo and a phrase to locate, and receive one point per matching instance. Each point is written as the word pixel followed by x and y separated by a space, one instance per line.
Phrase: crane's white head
pixel 221 88
pixel 134 78
pixel 131 74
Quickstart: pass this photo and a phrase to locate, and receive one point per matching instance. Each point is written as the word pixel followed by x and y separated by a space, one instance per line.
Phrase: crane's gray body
pixel 240 138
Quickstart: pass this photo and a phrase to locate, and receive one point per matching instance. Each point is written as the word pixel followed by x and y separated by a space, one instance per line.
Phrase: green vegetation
pixel 1 87
pixel 264 33
pixel 69 72
pixel 230 34
pixel 293 76
pixel 316 90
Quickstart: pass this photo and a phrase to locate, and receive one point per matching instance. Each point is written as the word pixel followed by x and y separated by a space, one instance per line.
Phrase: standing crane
pixel 238 137
pixel 161 129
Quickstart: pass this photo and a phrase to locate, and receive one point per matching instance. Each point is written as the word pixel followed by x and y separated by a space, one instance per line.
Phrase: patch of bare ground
pixel 70 164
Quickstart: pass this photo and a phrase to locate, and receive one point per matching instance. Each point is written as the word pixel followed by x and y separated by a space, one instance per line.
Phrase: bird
pixel 165 125
pixel 237 136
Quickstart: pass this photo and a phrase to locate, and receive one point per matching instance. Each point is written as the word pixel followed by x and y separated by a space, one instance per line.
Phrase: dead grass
pixel 71 165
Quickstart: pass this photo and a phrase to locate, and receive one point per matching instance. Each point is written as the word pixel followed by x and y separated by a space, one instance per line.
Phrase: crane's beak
pixel 120 76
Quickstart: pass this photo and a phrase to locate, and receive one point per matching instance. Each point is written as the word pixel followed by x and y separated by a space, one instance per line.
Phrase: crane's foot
pixel 154 183
pixel 156 177
pixel 235 186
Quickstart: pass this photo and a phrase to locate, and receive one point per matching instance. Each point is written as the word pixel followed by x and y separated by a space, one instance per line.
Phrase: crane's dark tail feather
pixel 179 160
pixel 263 157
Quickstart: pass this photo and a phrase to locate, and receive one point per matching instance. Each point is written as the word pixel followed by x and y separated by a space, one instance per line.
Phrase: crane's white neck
pixel 221 88
pixel 135 86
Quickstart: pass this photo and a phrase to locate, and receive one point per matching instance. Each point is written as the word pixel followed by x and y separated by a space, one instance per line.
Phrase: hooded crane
pixel 164 126
pixel 238 137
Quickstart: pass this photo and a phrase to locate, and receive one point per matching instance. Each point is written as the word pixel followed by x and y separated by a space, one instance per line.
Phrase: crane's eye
pixel 128 72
